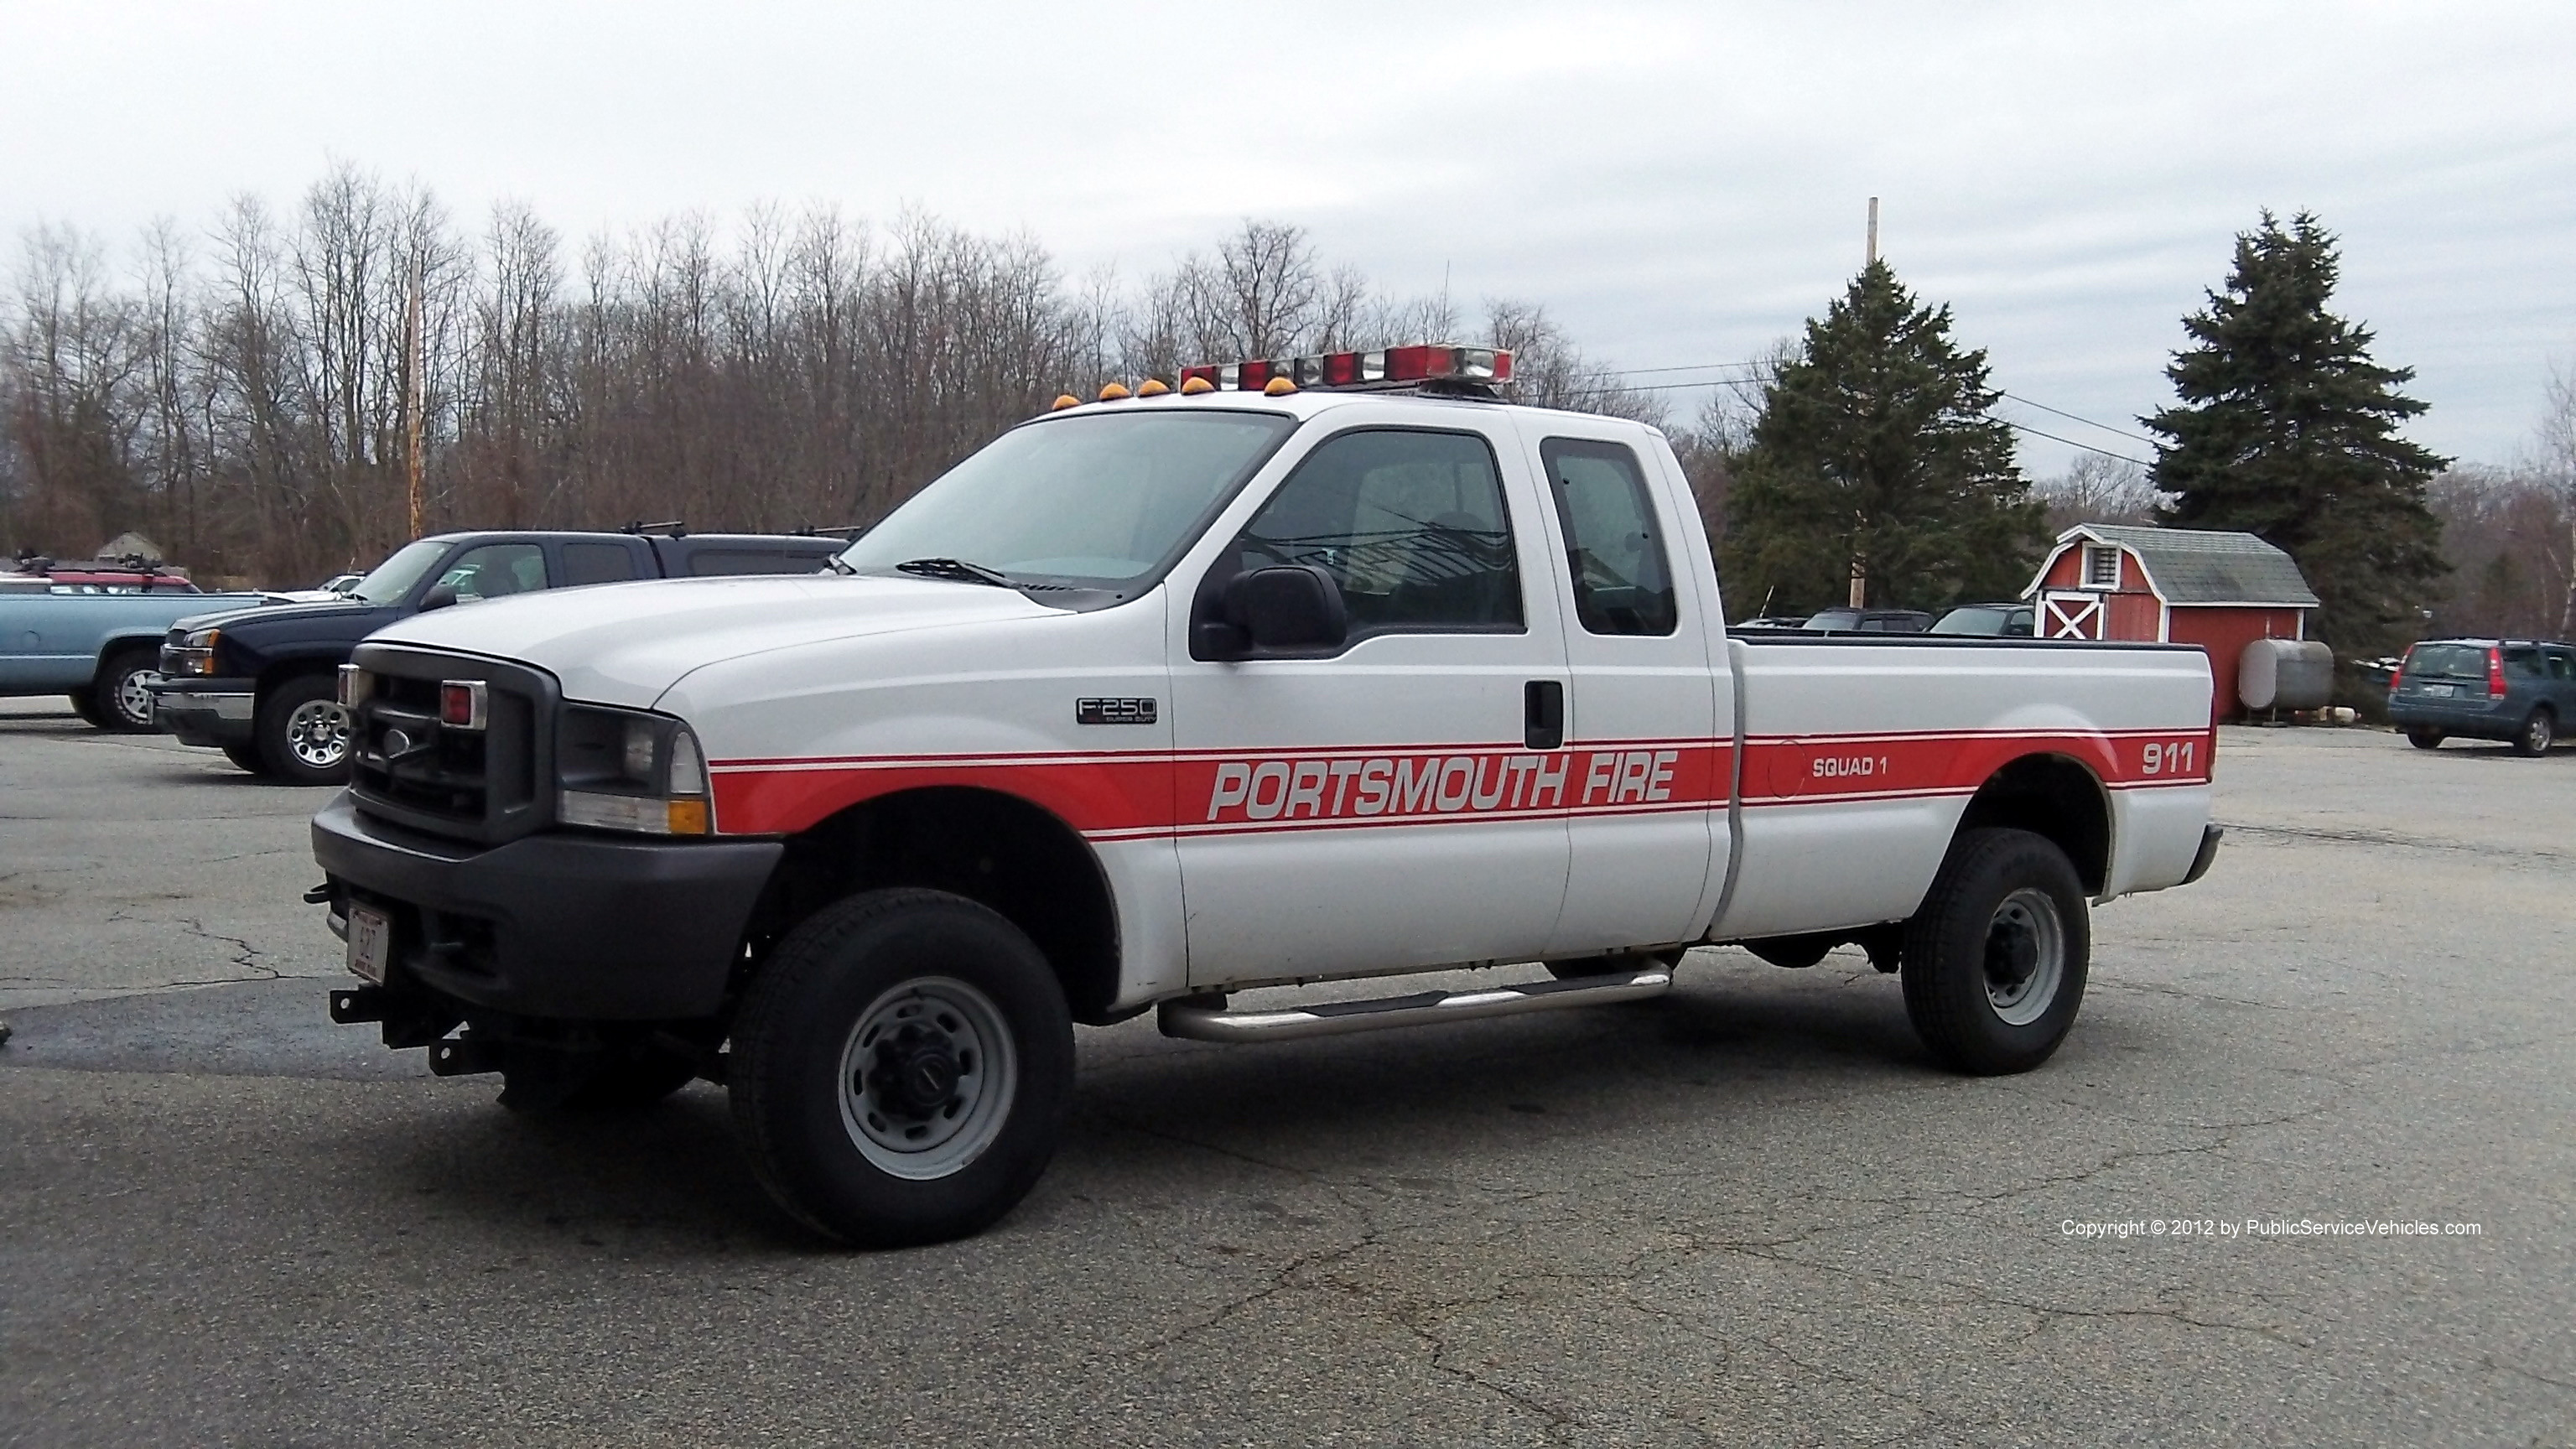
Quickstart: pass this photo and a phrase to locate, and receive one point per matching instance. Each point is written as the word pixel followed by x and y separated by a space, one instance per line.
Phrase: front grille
pixel 480 785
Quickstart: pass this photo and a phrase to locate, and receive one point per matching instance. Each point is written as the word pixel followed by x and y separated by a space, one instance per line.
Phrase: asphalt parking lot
pixel 1748 1212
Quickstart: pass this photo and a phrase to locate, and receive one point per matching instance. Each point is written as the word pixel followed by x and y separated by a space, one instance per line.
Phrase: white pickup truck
pixel 1164 697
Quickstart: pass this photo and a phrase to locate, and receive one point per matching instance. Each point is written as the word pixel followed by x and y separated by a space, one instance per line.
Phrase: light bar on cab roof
pixel 1387 367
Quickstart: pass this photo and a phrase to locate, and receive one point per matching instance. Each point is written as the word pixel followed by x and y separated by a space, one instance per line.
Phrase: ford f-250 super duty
pixel 1160 698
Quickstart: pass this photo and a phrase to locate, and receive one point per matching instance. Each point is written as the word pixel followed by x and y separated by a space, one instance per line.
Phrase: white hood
pixel 628 643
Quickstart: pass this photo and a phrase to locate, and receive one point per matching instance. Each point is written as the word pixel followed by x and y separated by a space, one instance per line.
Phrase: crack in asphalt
pixel 2402 842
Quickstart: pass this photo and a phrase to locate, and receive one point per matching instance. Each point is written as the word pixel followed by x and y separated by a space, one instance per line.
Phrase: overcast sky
pixel 1679 184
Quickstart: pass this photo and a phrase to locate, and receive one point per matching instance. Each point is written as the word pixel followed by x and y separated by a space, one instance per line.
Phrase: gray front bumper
pixel 204 716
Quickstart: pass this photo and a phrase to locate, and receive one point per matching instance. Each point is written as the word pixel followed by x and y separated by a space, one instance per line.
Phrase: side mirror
pixel 439 597
pixel 1291 606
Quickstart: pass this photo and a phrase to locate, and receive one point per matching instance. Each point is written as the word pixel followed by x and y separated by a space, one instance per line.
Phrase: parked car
pixel 1769 621
pixel 258 685
pixel 1869 621
pixel 2519 690
pixel 2008 619
pixel 98 646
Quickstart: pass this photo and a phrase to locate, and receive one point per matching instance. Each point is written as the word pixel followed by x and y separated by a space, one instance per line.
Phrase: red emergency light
pixel 1385 367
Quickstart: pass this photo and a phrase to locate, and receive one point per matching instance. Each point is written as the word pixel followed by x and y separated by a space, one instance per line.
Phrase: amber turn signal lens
pixel 688 817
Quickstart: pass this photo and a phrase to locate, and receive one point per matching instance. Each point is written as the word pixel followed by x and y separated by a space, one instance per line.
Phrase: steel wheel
pixel 927 1078
pixel 2025 956
pixel 317 734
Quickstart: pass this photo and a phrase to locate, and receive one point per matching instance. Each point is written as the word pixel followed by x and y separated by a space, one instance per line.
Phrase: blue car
pixel 2518 690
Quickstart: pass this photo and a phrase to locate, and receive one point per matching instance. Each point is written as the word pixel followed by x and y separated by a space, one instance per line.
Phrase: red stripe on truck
pixel 1126 796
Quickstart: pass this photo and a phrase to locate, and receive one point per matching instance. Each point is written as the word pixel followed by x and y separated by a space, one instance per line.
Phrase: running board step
pixel 1196 1019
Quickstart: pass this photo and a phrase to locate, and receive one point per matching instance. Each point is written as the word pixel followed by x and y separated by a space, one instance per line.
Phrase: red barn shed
pixel 2220 591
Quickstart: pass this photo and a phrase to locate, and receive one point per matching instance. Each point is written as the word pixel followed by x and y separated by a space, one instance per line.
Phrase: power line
pixel 2070 442
pixel 2079 417
pixel 2007 422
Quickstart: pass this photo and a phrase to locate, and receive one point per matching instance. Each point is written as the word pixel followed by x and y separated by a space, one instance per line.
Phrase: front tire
pixel 1995 961
pixel 2424 739
pixel 85 704
pixel 901 1067
pixel 247 756
pixel 303 734
pixel 2539 731
pixel 120 701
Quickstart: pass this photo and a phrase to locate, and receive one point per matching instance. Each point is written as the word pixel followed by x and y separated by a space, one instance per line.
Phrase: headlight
pixel 628 770
pixel 193 654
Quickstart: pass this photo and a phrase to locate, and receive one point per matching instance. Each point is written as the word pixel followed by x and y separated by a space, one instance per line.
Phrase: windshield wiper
pixel 955 568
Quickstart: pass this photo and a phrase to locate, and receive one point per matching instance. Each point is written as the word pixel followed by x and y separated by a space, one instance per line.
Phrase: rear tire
pixel 246 755
pixel 2424 739
pixel 302 734
pixel 85 705
pixel 1994 962
pixel 123 704
pixel 2539 731
pixel 901 1067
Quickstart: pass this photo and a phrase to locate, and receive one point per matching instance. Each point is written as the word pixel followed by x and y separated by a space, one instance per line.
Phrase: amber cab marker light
pixel 1151 387
pixel 1193 386
pixel 1112 392
pixel 1278 387
pixel 1064 400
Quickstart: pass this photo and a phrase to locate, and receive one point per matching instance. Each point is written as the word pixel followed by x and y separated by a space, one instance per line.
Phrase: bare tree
pixel 2098 488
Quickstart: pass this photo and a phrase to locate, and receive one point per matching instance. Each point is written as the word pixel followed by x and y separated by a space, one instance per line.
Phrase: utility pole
pixel 1860 566
pixel 412 393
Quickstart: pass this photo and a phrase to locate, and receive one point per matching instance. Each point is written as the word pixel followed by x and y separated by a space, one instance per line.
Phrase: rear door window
pixel 2524 664
pixel 1623 583
pixel 597 563
pixel 2562 664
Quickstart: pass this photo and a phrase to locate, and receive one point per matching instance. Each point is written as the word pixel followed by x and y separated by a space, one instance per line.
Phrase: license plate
pixel 371 943
pixel 2442 689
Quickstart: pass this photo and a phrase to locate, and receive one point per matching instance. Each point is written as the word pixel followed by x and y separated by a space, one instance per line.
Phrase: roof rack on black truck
pixel 1378 673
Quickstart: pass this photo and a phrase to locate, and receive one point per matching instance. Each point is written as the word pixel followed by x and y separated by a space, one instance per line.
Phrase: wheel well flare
pixel 2052 796
pixel 1020 859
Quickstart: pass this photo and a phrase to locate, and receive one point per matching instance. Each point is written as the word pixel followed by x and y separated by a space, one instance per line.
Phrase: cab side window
pixel 1623 583
pixel 495 570
pixel 2562 664
pixel 1409 523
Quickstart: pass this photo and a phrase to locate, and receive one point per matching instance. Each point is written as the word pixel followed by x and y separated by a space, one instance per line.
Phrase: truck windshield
pixel 394 577
pixel 1097 501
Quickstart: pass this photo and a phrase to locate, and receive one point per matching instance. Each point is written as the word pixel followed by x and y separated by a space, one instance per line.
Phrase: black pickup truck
pixel 258 683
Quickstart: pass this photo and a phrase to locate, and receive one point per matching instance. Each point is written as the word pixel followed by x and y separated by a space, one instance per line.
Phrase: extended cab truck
pixel 1158 699
pixel 259 685
pixel 98 644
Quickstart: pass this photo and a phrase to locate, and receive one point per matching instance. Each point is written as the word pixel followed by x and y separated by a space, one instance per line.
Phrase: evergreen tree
pixel 2286 429
pixel 1874 457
